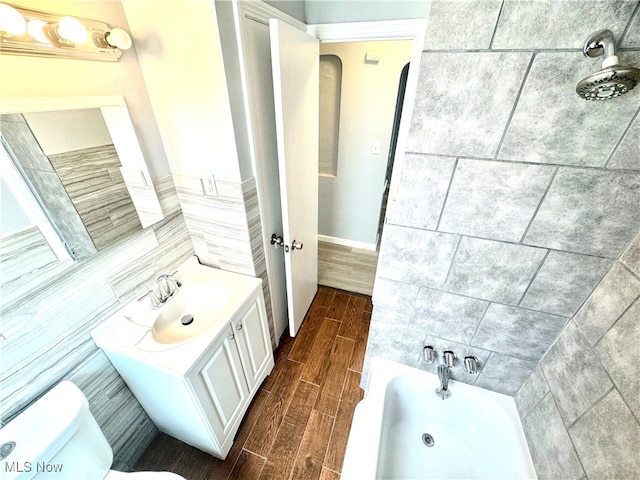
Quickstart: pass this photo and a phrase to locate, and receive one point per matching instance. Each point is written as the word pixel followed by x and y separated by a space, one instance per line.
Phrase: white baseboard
pixel 347 243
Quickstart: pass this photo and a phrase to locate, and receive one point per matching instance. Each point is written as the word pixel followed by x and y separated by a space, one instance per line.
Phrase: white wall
pixel 181 60
pixel 340 11
pixel 33 77
pixel 349 204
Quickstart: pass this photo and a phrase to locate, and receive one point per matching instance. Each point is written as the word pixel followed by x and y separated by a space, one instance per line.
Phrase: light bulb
pixel 11 21
pixel 118 38
pixel 36 30
pixel 72 30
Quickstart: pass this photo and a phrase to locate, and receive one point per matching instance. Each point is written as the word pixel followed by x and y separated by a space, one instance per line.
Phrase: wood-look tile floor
pixel 298 423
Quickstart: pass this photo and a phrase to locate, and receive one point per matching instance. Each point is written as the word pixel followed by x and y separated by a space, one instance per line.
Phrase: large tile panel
pixel 447 315
pixel 574 374
pixel 626 154
pixel 564 282
pixel 461 24
pixel 494 200
pixel 558 24
pixel 532 391
pixel 552 124
pixel 616 292
pixel 393 301
pixel 419 257
pixel 551 449
pixel 632 37
pixel 517 332
pixel 588 211
pixel 619 352
pixel 504 374
pixel 423 187
pixel 494 271
pixel 607 439
pixel 464 101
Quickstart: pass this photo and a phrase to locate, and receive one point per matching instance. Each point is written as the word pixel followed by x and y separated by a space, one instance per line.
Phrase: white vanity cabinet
pixel 199 389
pixel 232 370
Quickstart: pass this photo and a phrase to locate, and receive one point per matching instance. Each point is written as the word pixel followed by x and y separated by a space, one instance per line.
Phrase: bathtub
pixel 402 430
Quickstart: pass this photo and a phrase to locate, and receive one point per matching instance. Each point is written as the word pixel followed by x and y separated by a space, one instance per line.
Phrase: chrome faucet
pixel 168 286
pixel 443 374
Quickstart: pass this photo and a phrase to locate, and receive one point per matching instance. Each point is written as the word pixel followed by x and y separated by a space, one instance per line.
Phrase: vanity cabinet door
pixel 221 386
pixel 254 343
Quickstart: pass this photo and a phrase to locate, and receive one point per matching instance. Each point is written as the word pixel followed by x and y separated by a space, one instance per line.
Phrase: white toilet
pixel 57 437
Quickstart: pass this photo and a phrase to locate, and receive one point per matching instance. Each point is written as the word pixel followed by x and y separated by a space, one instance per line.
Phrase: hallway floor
pixel 298 423
pixel 346 268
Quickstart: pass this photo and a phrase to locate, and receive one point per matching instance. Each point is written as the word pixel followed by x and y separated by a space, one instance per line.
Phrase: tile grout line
pixel 621 140
pixel 533 279
pixel 495 27
pixel 446 196
pixel 537 210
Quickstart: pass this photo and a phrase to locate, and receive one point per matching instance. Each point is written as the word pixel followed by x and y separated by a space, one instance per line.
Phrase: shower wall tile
pixel 626 156
pixel 588 211
pixel 504 374
pixel 461 24
pixel 520 333
pixel 631 256
pixel 605 455
pixel 447 315
pixel 414 256
pixel 590 130
pixel 574 374
pixel 632 38
pixel 612 297
pixel 394 301
pixel 464 100
pixel 494 200
pixel 423 187
pixel 393 342
pixel 458 372
pixel 558 24
pixel 619 353
pixel 493 271
pixel 551 448
pixel 532 391
pixel 564 282
pixel 15 264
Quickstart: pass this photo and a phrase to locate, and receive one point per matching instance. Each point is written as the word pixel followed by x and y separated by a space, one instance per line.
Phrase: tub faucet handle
pixel 471 364
pixel 449 358
pixel 429 354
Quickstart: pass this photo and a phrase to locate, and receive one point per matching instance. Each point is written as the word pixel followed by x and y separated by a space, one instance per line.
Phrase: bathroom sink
pixel 192 311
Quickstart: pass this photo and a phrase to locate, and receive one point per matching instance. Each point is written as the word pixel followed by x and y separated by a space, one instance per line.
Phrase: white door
pixel 294 60
pixel 260 90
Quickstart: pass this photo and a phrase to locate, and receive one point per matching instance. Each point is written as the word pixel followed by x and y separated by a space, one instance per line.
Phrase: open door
pixel 294 60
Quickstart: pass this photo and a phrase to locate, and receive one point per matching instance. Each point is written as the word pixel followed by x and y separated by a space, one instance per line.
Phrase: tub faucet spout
pixel 443 374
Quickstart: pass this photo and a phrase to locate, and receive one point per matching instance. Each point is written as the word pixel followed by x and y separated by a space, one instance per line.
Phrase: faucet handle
pixel 471 364
pixel 429 354
pixel 449 358
pixel 153 299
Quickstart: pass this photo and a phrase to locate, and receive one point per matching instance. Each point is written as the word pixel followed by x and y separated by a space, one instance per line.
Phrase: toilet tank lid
pixel 46 425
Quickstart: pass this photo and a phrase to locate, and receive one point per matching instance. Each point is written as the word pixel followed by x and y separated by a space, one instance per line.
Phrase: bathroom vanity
pixel 196 362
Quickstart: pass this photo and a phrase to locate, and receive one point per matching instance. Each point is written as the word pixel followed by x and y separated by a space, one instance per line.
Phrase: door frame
pixel 411 29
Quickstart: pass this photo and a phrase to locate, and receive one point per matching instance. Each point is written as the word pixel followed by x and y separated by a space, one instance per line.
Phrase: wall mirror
pixel 73 174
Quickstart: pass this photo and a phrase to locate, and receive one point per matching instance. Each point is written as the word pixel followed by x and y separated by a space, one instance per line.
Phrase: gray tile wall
pixel 507 235
pixel 45 320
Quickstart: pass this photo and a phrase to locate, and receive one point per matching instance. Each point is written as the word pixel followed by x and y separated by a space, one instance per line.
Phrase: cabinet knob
pixel 232 336
pixel 240 327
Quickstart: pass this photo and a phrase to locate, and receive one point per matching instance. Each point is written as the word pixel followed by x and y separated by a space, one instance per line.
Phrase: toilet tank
pixel 55 437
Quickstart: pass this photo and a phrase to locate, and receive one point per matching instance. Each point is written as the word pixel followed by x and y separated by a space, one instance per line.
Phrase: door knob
pixel 276 241
pixel 296 246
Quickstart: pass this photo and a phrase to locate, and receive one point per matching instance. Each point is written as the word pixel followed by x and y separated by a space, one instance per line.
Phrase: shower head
pixel 613 79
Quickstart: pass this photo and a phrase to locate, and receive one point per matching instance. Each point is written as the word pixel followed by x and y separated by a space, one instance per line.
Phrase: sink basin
pixel 192 311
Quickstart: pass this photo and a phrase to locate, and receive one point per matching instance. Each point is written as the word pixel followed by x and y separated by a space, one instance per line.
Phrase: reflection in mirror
pixel 86 172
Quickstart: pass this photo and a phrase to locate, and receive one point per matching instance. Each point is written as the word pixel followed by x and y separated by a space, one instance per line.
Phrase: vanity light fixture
pixel 25 31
